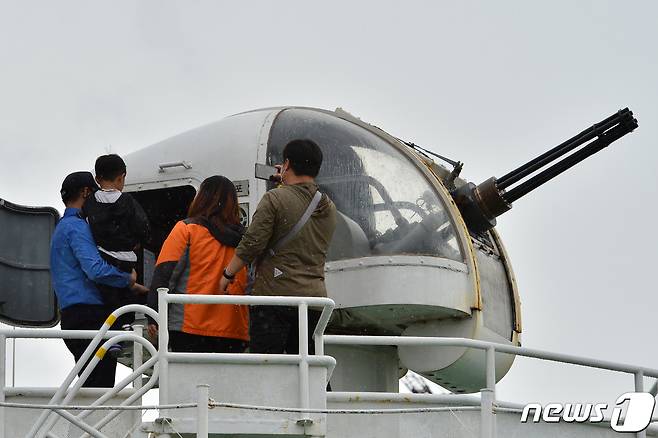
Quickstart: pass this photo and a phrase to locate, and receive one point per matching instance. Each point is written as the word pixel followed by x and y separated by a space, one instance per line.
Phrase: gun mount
pixel 481 204
pixel 401 262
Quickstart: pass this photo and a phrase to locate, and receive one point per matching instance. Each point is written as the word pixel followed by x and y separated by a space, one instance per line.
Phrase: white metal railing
pixel 303 359
pixel 488 394
pixel 161 358
pixel 64 394
pixel 36 334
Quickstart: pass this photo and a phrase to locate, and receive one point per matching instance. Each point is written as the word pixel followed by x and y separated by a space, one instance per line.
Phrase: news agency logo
pixel 637 406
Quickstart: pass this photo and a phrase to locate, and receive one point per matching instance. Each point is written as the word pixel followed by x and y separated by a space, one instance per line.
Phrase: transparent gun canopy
pixel 386 206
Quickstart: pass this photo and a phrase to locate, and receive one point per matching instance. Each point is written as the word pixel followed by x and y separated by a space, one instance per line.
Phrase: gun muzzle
pixel 481 204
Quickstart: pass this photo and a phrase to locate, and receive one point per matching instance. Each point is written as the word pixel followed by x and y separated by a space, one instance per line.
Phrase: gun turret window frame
pixel 386 204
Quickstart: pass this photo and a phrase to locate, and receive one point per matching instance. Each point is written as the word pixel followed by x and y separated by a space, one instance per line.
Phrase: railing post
pixel 318 341
pixel 3 377
pixel 163 345
pixel 488 397
pixel 304 396
pixel 639 387
pixel 639 381
pixel 202 411
pixel 138 356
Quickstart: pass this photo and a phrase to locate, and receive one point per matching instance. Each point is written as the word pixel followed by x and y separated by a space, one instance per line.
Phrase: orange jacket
pixel 191 262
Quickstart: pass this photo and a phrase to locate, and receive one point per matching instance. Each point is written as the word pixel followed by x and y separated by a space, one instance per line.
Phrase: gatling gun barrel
pixel 481 204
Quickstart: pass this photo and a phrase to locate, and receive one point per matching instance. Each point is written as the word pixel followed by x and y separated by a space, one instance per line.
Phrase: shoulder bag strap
pixel 298 226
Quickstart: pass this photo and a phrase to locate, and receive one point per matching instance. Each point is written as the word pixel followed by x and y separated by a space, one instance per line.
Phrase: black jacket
pixel 119 225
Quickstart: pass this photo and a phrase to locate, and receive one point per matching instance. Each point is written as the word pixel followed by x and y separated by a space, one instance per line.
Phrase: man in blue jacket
pixel 75 265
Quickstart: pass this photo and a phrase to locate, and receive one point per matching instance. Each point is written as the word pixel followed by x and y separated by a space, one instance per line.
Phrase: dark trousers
pixel 115 297
pixel 275 329
pixel 181 342
pixel 89 317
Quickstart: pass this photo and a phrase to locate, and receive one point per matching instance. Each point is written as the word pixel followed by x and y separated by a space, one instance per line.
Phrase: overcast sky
pixel 492 84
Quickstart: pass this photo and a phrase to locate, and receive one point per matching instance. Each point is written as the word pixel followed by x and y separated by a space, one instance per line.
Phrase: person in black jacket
pixel 119 226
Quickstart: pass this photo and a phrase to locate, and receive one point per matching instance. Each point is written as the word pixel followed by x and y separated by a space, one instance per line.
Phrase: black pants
pixel 89 317
pixel 115 297
pixel 181 342
pixel 275 329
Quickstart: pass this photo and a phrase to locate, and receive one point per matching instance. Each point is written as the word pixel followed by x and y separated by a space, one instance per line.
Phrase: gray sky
pixel 492 84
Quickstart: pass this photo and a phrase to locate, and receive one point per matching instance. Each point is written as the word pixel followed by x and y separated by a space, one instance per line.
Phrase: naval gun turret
pixel 415 251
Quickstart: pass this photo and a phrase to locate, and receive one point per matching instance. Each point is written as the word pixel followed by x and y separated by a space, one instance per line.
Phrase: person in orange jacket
pixel 192 260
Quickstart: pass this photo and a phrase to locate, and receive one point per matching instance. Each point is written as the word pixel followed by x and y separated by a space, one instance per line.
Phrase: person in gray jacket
pixel 296 268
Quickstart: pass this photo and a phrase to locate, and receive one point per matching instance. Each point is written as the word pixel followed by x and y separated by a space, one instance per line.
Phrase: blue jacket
pixel 75 263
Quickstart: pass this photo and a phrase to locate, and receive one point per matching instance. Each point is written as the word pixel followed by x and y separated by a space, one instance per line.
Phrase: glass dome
pixel 386 204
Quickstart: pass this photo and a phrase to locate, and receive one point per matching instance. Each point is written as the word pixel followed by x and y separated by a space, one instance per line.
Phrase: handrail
pixel 137 373
pixel 35 333
pixel 487 394
pixel 484 345
pixel 327 305
pixel 487 400
pixel 63 393
pixel 185 164
pixel 250 300
pixel 302 359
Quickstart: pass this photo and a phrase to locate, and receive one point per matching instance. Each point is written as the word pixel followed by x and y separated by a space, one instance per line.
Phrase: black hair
pixel 110 166
pixel 216 201
pixel 305 157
